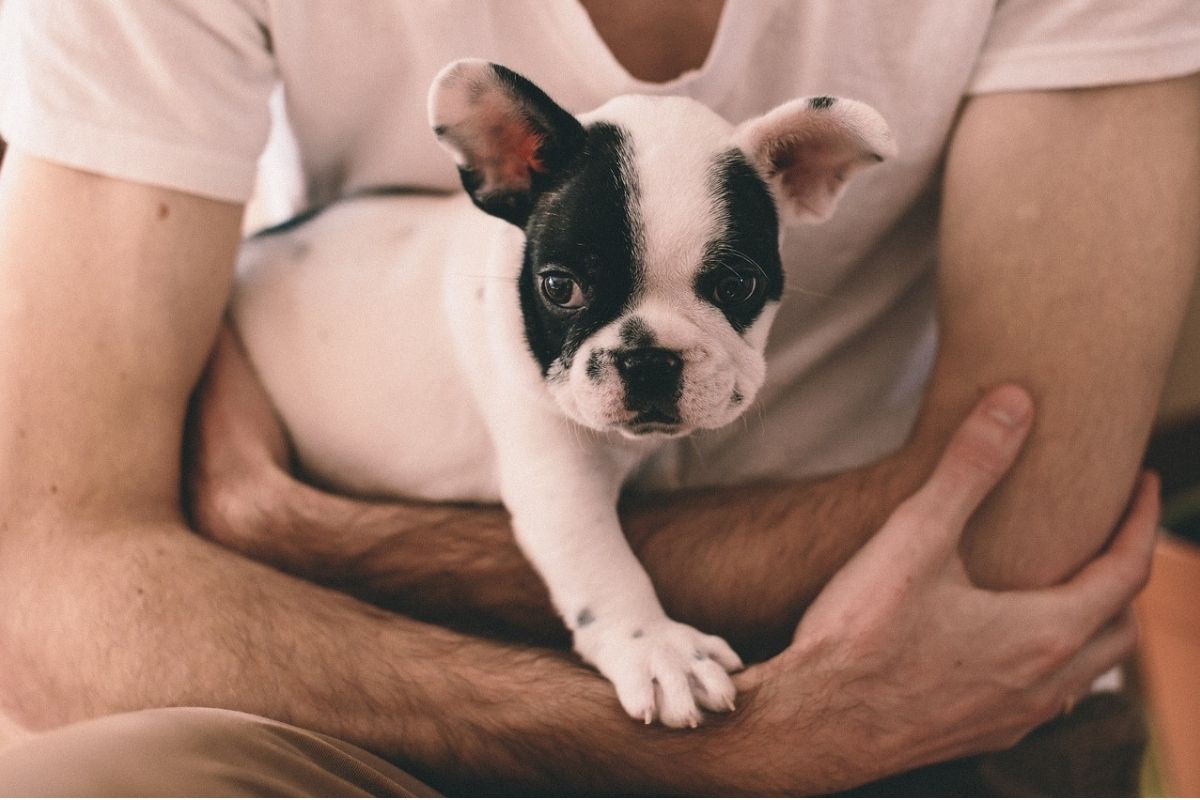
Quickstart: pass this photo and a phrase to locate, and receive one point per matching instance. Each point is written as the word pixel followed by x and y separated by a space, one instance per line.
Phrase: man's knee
pixel 193 751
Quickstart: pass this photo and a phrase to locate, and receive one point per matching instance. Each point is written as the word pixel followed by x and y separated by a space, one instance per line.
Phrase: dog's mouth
pixel 655 422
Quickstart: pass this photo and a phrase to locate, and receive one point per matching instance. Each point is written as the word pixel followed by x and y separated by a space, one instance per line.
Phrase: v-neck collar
pixel 611 78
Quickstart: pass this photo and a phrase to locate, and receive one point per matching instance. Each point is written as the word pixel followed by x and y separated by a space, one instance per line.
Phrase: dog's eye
pixel 562 290
pixel 733 288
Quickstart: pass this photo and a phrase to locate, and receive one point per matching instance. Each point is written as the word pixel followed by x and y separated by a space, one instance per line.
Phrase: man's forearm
pixel 742 562
pixel 746 561
pixel 185 623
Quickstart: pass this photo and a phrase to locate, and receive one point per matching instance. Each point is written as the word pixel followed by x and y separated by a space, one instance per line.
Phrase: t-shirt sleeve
pixel 1067 44
pixel 166 92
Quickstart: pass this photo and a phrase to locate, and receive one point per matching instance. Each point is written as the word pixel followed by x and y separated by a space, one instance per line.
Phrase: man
pixel 1067 241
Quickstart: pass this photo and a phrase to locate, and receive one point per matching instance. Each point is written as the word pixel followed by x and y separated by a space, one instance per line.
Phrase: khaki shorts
pixel 203 752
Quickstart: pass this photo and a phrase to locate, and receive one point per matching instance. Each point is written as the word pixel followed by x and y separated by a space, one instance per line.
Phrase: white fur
pixel 389 334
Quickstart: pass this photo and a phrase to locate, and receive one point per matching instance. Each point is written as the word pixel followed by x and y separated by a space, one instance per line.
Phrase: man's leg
pixel 198 752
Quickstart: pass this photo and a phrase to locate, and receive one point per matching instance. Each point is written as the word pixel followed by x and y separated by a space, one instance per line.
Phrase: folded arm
pixel 1070 235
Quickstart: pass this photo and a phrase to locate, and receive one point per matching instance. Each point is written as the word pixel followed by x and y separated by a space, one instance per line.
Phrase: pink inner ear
pixel 812 168
pixel 820 152
pixel 508 150
pixel 808 151
pixel 528 148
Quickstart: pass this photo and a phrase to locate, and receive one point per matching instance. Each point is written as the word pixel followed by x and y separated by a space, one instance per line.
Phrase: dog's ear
pixel 808 149
pixel 509 140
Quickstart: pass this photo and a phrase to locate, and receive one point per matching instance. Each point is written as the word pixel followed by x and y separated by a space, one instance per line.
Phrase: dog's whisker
pixel 808 292
pixel 733 251
pixel 480 276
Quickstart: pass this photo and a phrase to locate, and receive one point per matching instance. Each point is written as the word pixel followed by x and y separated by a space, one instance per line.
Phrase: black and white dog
pixel 617 293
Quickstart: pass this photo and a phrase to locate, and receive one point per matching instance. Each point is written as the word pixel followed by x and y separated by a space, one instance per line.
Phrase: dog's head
pixel 651 269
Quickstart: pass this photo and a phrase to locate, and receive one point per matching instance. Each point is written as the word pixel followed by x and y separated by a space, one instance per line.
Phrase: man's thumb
pixel 980 452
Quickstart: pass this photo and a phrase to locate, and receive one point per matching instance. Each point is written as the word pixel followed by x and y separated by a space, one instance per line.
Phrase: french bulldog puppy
pixel 616 293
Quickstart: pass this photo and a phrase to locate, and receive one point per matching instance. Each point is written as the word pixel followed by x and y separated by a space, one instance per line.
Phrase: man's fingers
pixel 980 452
pixel 229 367
pixel 1112 645
pixel 234 409
pixel 1107 585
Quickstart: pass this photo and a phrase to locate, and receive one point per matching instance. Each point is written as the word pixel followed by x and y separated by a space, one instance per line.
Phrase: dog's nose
pixel 652 377
pixel 649 363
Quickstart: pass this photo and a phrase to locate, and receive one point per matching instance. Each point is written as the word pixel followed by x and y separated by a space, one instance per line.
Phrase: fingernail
pixel 1010 406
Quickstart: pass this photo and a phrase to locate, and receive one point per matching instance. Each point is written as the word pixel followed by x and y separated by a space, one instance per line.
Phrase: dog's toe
pixel 712 686
pixel 677 705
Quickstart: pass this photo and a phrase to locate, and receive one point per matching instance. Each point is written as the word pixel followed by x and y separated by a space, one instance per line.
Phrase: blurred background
pixel 1169 609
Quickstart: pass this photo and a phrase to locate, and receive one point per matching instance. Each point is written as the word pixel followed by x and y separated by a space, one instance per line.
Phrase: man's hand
pixel 922 665
pixel 235 451
pixel 241 493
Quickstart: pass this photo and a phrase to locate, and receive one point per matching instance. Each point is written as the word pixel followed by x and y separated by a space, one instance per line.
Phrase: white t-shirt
pixel 176 94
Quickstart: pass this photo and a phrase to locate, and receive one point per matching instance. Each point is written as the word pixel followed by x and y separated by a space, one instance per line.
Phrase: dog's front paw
pixel 663 670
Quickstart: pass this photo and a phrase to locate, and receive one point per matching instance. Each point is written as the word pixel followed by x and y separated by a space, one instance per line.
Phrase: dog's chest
pixel 364 325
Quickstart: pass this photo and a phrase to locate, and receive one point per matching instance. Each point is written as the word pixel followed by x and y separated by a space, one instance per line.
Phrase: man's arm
pixel 1070 235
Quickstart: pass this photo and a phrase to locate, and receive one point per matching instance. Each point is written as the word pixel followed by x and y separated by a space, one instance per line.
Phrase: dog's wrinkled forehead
pixel 660 204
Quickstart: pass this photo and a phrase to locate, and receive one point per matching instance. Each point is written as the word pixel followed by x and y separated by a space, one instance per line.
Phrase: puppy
pixel 616 293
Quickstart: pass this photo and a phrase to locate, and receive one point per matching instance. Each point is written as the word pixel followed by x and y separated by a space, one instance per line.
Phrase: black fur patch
pixel 749 244
pixel 595 365
pixel 582 226
pixel 820 102
pixel 634 333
